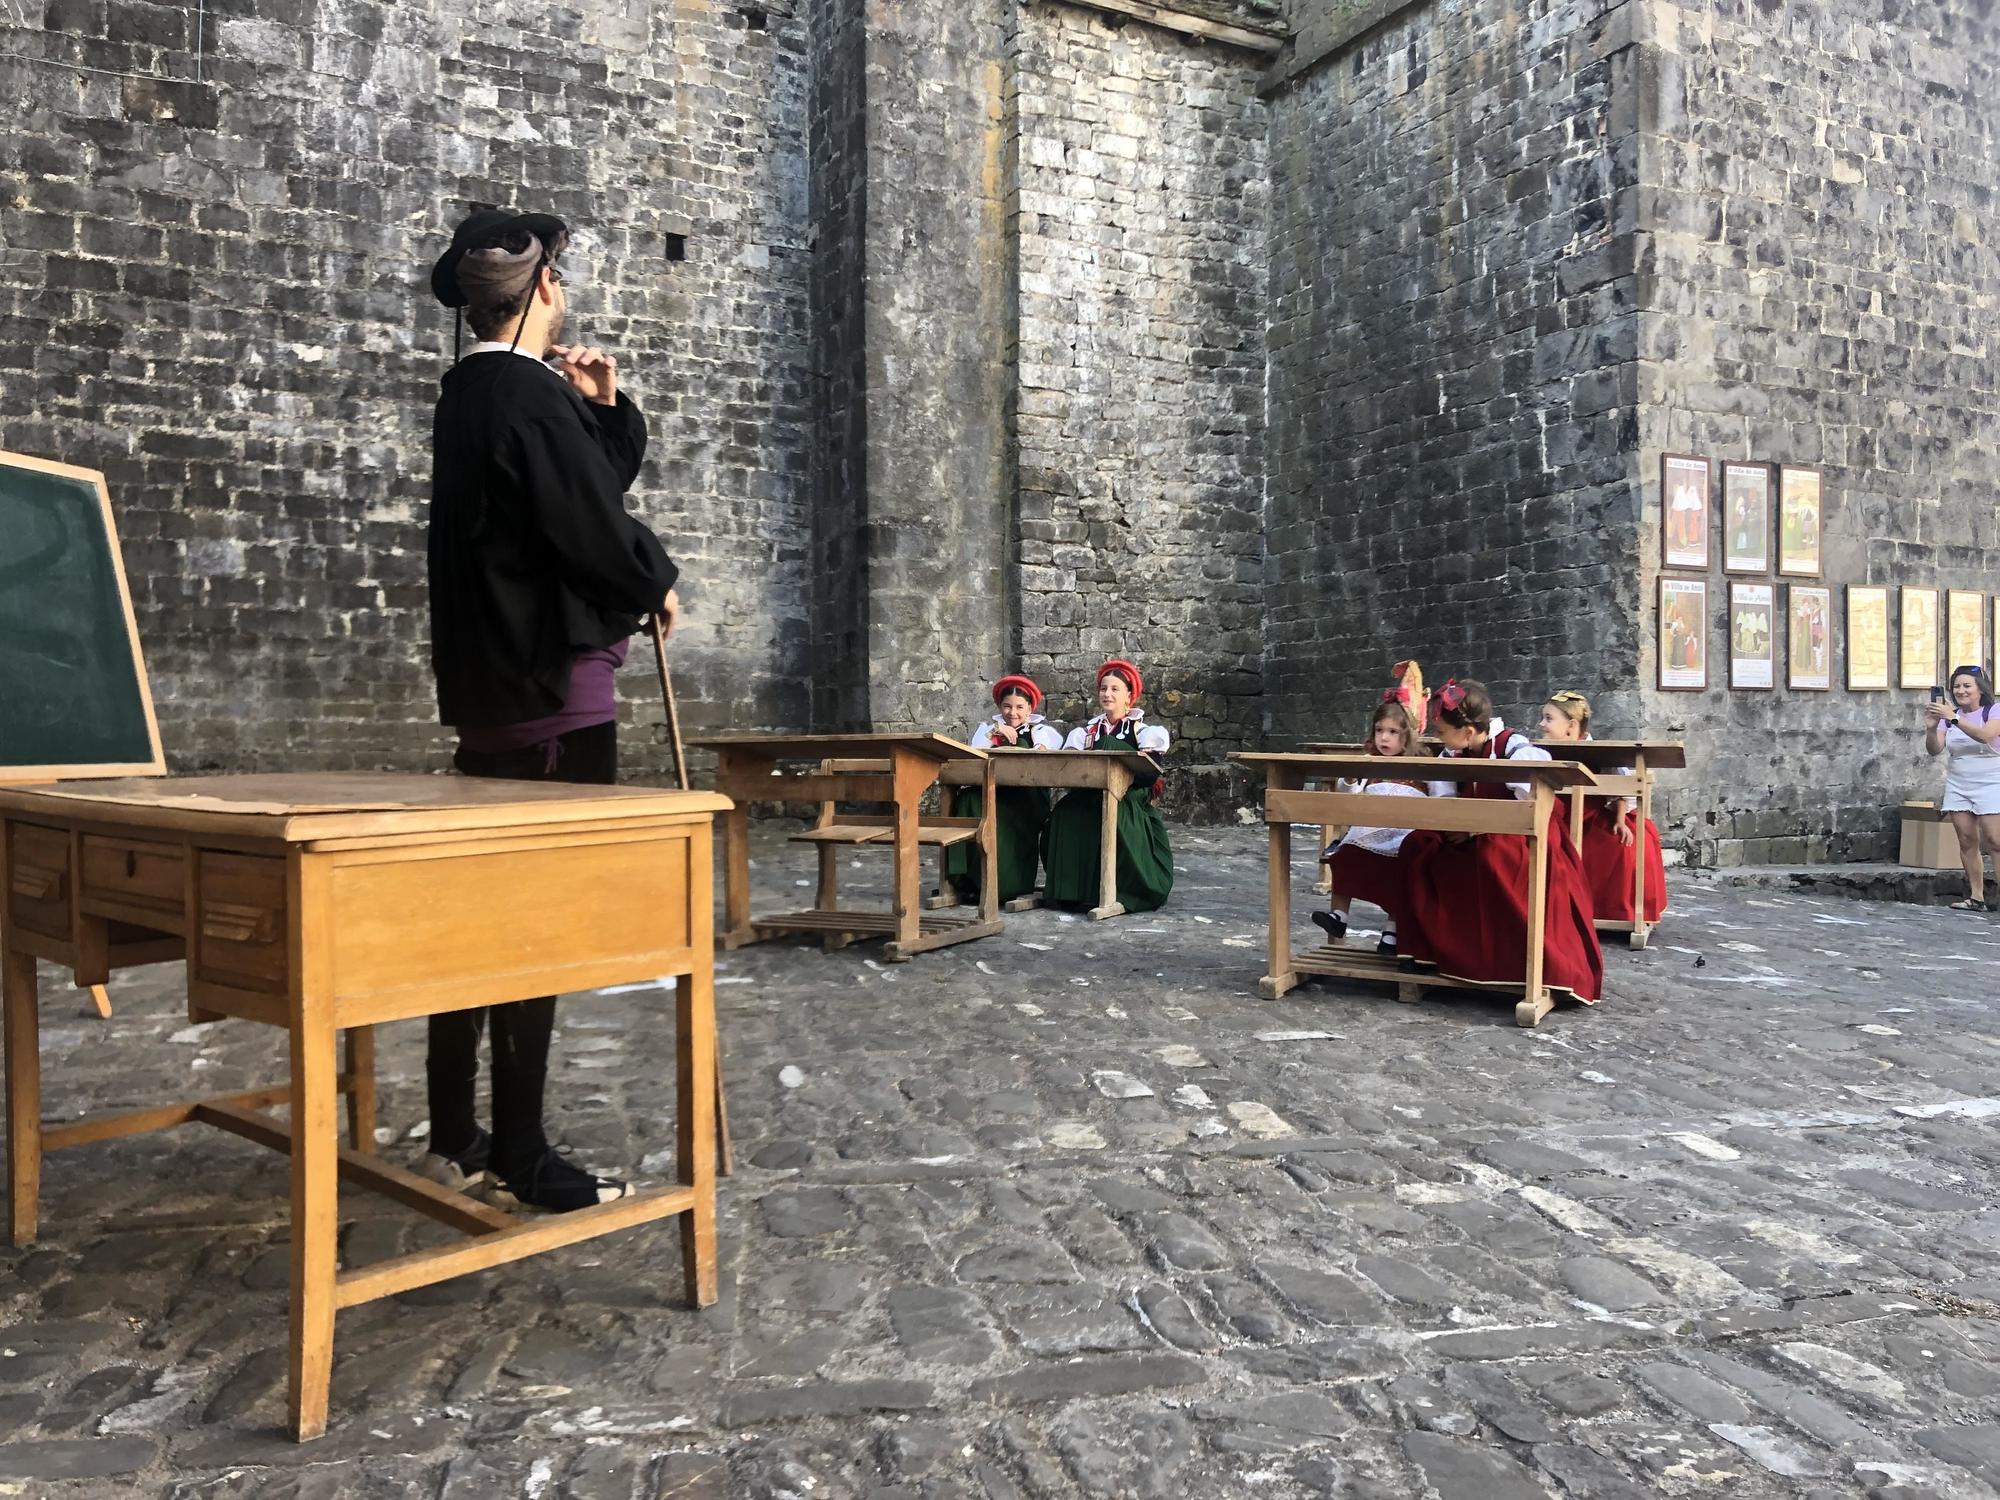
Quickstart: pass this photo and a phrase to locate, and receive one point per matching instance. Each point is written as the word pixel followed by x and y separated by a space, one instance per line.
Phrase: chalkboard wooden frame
pixel 157 765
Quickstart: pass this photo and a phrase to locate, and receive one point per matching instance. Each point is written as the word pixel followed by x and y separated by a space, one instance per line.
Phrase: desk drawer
pixel 38 886
pixel 241 940
pixel 135 878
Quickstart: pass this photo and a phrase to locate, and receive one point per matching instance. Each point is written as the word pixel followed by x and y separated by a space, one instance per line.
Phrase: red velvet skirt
pixel 1607 865
pixel 1465 909
pixel 1367 876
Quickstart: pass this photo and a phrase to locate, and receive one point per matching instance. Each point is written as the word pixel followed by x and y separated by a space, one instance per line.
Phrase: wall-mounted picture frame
pixel 1993 640
pixel 1809 637
pixel 1964 629
pixel 1752 664
pixel 1867 638
pixel 1746 518
pixel 1801 512
pixel 1685 479
pixel 1682 645
pixel 1917 640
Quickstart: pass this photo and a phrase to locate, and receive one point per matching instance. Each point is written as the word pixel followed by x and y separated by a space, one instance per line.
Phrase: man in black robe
pixel 538 576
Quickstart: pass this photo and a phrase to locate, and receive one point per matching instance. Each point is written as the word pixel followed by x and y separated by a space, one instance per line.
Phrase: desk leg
pixel 695 1065
pixel 1535 1000
pixel 21 996
pixel 1279 975
pixel 1107 852
pixel 315 1211
pixel 912 778
pixel 1641 928
pixel 736 876
pixel 361 1089
pixel 101 998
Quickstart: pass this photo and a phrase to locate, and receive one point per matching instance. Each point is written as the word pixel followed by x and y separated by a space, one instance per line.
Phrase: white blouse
pixel 1042 735
pixel 1151 737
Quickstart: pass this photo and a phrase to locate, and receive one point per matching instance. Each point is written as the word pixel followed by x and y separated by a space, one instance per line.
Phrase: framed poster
pixel 1746 518
pixel 1751 664
pixel 1809 637
pixel 1993 638
pixel 1867 638
pixel 1798 521
pixel 1684 500
pixel 1917 652
pixel 1964 629
pixel 1683 642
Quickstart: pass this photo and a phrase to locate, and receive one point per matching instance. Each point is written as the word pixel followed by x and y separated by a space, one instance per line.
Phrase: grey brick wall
pixel 1140 218
pixel 214 291
pixel 1453 365
pixel 1819 222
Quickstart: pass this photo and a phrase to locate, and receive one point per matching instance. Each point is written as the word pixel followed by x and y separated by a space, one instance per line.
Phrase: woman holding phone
pixel 1968 731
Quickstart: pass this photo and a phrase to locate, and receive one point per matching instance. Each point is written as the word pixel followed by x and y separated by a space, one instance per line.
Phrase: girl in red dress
pixel 1465 896
pixel 1610 843
pixel 1364 862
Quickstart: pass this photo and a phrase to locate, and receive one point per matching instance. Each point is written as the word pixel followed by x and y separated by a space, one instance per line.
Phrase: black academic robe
pixel 532 554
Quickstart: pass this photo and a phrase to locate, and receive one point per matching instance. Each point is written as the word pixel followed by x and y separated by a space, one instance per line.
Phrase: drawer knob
pixel 228 922
pixel 131 863
pixel 37 884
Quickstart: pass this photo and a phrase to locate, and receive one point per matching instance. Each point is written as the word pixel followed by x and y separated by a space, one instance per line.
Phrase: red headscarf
pixel 1126 670
pixel 1018 684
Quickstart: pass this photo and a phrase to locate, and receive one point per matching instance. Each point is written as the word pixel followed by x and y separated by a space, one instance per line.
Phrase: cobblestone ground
pixel 1070 1210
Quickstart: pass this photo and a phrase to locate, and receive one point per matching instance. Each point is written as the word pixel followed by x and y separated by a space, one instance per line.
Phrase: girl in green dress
pixel 1021 810
pixel 1070 845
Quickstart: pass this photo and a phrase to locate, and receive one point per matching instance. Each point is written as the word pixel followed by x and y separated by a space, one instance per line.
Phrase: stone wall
pixel 1139 213
pixel 1452 364
pixel 1821 288
pixel 215 252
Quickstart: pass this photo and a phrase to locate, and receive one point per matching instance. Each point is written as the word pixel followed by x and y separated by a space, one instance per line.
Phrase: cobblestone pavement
pixel 1070 1210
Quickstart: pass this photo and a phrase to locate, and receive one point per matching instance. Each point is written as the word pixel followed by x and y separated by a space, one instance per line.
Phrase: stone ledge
pixel 1860 881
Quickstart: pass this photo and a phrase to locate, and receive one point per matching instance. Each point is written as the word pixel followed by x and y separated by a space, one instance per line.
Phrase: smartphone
pixel 1937 694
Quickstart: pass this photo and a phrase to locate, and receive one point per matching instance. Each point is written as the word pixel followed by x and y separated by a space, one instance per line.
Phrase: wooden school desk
pixel 1111 772
pixel 324 904
pixel 896 769
pixel 1287 802
pixel 1641 759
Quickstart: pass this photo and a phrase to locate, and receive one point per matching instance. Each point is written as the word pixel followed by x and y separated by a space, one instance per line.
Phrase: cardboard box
pixel 1928 841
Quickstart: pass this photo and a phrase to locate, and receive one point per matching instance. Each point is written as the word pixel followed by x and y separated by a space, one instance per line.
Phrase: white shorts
pixel 1983 800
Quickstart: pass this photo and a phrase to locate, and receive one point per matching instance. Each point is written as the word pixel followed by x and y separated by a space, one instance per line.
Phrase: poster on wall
pixel 1746 518
pixel 1809 638
pixel 1867 638
pixel 1684 501
pixel 1683 642
pixel 1798 522
pixel 1918 650
pixel 1751 664
pixel 1965 629
pixel 1993 639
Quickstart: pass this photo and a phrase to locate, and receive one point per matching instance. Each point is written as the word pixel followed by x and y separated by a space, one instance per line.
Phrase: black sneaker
pixel 1386 945
pixel 467 1172
pixel 556 1185
pixel 1332 923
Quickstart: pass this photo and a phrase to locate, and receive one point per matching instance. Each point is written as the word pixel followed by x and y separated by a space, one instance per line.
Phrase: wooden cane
pixel 725 1150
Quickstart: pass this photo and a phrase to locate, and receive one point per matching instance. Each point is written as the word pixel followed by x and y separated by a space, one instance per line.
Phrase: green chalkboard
pixel 73 693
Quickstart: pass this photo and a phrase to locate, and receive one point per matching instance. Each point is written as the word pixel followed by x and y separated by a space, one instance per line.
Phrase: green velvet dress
pixel 1145 866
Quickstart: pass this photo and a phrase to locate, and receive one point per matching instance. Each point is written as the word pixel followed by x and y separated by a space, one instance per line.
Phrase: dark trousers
pixel 521 1030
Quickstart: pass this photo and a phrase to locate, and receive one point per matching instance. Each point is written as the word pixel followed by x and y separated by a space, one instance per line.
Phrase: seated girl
pixel 1363 863
pixel 1611 845
pixel 1019 811
pixel 1070 848
pixel 1465 902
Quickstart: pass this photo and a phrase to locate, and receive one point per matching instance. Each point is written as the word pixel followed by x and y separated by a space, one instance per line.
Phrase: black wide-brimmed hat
pixel 490 226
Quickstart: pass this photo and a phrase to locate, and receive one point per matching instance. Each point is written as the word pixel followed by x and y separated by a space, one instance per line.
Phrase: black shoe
pixel 1386 946
pixel 554 1184
pixel 1332 923
pixel 466 1172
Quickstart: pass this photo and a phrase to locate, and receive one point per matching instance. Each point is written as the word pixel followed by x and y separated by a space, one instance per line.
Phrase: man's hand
pixel 668 612
pixel 591 372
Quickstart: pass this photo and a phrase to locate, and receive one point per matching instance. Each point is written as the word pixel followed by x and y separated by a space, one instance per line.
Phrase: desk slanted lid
pixel 840 746
pixel 1556 773
pixel 1599 755
pixel 1132 760
pixel 308 807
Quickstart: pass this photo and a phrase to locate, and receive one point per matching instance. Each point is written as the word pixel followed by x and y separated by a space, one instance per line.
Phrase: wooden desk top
pixel 1556 773
pixel 302 809
pixel 840 746
pixel 1599 755
pixel 1135 760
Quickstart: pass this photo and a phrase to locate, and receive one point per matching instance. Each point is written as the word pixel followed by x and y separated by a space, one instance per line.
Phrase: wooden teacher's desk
pixel 325 904
pixel 1287 802
pixel 1111 772
pixel 896 770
